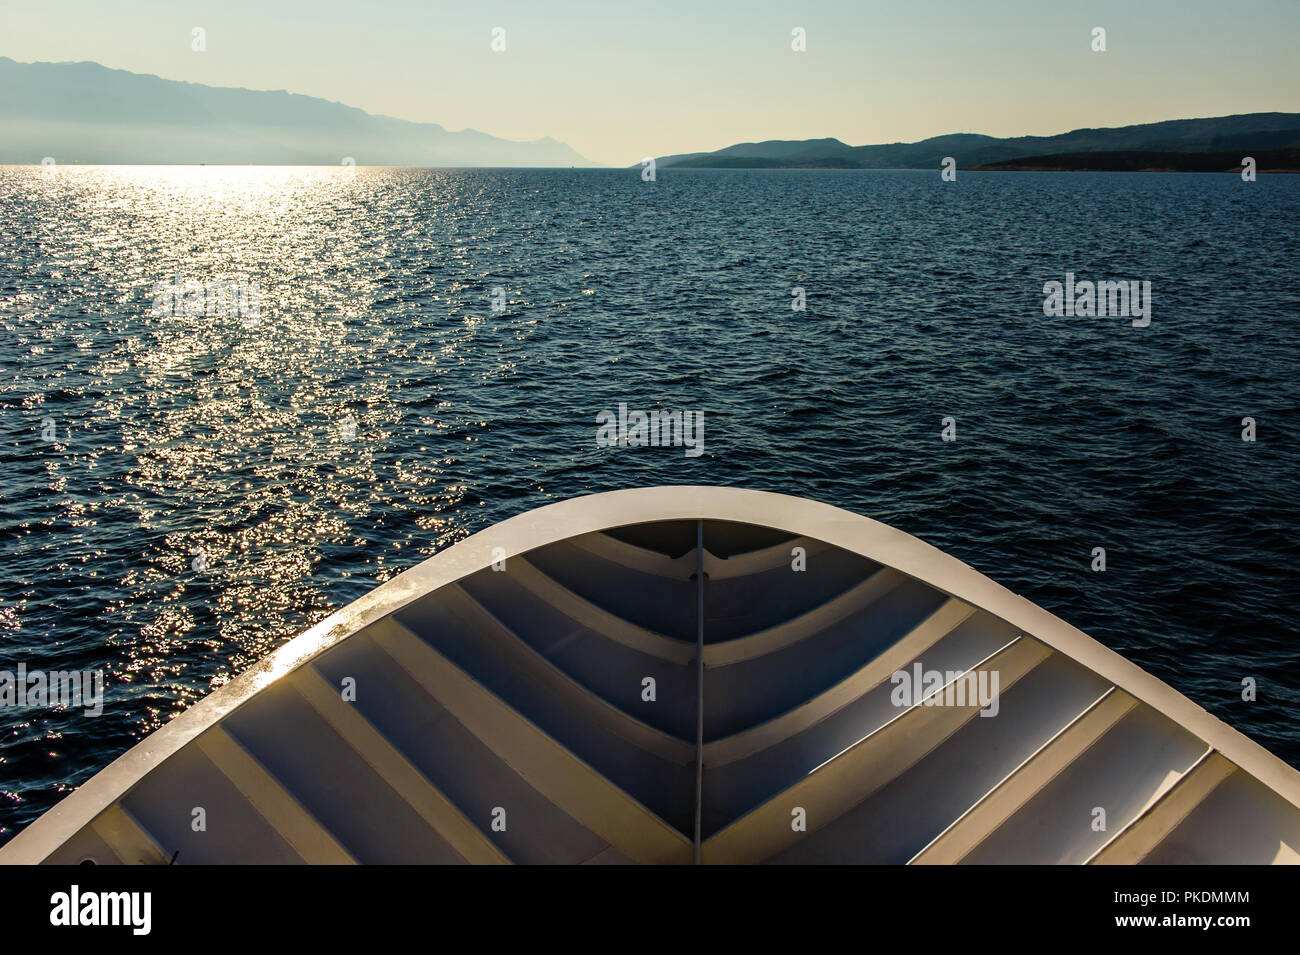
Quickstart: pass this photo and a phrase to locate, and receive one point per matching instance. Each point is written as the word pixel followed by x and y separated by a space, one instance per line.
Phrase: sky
pixel 619 80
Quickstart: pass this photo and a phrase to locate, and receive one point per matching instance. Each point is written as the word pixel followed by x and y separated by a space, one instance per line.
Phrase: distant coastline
pixel 1215 144
pixel 87 114
pixel 1266 161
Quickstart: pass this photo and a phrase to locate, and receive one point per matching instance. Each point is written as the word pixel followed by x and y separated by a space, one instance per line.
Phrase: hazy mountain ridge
pixel 1249 131
pixel 85 112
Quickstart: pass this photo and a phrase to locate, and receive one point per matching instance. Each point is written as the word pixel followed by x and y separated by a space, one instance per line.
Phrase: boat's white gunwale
pixel 607 510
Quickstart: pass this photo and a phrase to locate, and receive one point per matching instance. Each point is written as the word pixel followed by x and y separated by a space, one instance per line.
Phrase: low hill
pixel 1250 133
pixel 1266 160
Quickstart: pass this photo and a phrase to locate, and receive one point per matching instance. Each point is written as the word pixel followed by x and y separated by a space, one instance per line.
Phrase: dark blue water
pixel 184 434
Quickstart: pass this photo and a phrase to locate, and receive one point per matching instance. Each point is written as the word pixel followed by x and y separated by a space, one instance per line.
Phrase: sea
pixel 234 399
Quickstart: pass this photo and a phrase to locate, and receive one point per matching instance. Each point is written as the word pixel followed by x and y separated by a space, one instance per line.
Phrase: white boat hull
pixel 537 693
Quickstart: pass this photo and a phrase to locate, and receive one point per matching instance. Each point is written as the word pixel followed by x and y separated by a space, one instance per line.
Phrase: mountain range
pixel 88 113
pixel 1244 132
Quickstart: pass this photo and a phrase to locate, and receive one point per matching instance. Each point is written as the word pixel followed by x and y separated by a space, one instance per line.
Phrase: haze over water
pixel 180 434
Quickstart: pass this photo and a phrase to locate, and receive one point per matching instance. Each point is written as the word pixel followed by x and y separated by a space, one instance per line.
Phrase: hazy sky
pixel 619 81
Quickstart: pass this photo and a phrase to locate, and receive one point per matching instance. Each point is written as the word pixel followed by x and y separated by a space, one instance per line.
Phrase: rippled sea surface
pixel 185 439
